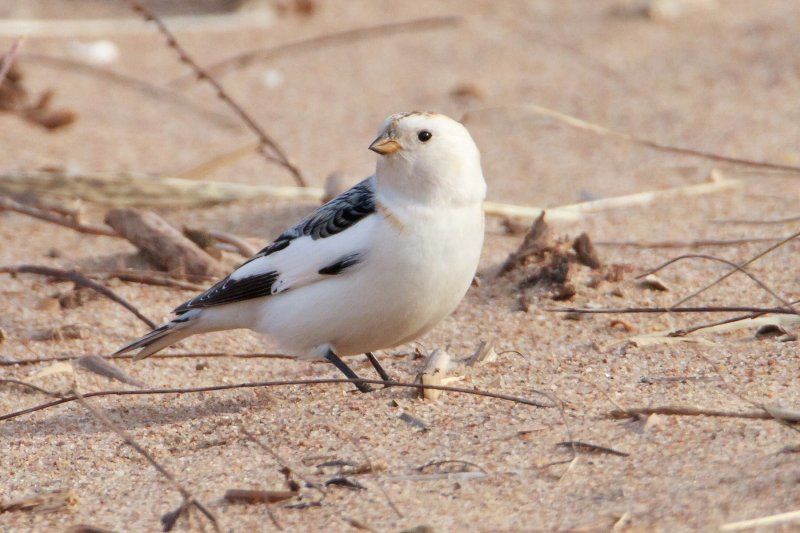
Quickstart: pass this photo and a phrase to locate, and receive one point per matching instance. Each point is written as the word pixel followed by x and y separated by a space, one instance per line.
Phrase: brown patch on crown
pixel 397 117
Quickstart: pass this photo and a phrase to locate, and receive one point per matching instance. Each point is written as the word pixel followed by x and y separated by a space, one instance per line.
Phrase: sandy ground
pixel 724 80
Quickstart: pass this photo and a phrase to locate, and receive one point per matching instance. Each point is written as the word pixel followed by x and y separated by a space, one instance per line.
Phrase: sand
pixel 723 80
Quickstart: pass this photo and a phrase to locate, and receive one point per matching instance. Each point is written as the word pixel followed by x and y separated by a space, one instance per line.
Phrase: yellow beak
pixel 384 145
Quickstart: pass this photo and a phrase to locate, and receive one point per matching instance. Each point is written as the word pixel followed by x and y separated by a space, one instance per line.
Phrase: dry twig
pixel 78 279
pixel 736 267
pixel 286 383
pixel 162 243
pixel 188 500
pixel 7 204
pixel 762 522
pixel 626 137
pixel 380 31
pixel 733 271
pixel 683 244
pixel 268 144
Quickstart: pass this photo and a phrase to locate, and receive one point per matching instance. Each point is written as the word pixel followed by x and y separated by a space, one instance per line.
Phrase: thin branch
pixel 286 383
pixel 380 31
pixel 31 386
pixel 189 500
pixel 671 410
pixel 683 244
pixel 78 279
pixel 377 478
pixel 733 271
pixel 266 141
pixel 685 331
pixel 757 222
pixel 709 309
pixel 147 278
pixel 762 522
pixel 741 269
pixel 7 204
pixel 626 137
pixel 242 246
pixel 10 361
pixel 283 462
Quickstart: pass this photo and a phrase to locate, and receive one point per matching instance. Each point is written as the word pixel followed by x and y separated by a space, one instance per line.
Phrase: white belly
pixel 416 270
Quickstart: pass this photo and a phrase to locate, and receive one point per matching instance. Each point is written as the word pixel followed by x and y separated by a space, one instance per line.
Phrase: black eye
pixel 424 136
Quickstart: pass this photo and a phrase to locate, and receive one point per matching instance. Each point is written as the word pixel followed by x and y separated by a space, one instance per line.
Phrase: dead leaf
pixel 51 501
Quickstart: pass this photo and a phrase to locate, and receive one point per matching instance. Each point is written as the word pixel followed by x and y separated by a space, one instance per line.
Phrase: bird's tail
pixel 165 335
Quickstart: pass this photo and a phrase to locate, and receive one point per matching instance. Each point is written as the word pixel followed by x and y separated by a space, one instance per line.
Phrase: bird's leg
pixel 346 370
pixel 377 366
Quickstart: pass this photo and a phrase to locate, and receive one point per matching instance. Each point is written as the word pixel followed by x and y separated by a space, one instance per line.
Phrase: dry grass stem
pixel 270 149
pixel 78 279
pixel 625 137
pixel 188 499
pixel 287 383
pixel 684 244
pixel 731 264
pixel 7 204
pixel 733 271
pixel 345 37
pixel 10 361
pixel 770 521
pixel 671 410
pixel 244 248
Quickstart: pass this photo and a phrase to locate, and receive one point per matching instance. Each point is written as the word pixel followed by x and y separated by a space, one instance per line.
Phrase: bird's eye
pixel 424 136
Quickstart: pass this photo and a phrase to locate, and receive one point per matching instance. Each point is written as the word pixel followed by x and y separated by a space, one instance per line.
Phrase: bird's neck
pixel 463 187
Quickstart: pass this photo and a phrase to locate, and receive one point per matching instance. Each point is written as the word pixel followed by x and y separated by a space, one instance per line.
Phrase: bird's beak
pixel 384 145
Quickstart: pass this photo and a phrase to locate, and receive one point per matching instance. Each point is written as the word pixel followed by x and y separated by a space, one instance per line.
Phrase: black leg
pixel 346 370
pixel 377 366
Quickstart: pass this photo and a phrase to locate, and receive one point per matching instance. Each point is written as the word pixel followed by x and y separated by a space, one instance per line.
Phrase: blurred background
pixel 319 76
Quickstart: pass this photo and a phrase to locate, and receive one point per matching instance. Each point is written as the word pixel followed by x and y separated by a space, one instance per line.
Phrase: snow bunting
pixel 374 268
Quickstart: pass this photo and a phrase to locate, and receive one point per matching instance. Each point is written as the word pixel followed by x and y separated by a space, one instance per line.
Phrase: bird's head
pixel 430 157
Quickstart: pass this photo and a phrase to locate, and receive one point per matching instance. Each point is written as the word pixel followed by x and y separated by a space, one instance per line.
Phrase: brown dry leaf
pixel 51 501
pixel 61 333
pixel 48 305
pixel 586 252
pixel 259 496
pixel 86 528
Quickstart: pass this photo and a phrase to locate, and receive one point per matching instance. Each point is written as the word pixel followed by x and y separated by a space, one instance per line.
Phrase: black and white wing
pixel 326 243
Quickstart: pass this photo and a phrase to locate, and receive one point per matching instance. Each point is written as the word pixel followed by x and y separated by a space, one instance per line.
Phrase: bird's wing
pixel 325 243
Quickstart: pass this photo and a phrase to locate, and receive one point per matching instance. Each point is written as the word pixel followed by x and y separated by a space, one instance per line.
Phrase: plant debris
pixel 259 496
pixel 15 98
pixel 549 263
pixel 40 503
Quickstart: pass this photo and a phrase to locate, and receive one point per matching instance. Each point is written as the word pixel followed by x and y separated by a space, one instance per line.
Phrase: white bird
pixel 374 268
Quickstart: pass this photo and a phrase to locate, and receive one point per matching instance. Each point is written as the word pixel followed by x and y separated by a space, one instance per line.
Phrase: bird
pixel 374 268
